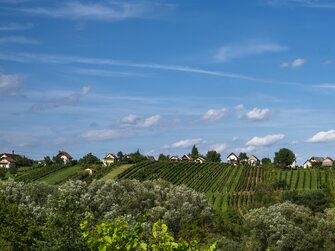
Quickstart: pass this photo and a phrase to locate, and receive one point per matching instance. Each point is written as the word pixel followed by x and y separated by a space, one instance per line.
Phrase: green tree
pixel 88 160
pixel 47 160
pixel 163 157
pixel 120 156
pixel 23 161
pixel 194 152
pixel 213 156
pixel 284 158
pixel 266 161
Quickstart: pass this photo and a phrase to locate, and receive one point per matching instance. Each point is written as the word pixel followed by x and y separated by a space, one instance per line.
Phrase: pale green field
pixel 116 171
pixel 60 175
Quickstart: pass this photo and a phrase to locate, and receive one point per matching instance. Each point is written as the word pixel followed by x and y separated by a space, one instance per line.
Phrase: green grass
pixel 61 175
pixel 116 171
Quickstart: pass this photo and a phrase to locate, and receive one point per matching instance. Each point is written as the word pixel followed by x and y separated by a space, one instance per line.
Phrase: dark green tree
pixel 284 158
pixel 213 156
pixel 47 160
pixel 120 156
pixel 88 160
pixel 243 157
pixel 194 152
pixel 266 161
pixel 23 161
pixel 163 157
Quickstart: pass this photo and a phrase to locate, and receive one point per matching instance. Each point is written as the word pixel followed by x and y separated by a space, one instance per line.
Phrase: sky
pixel 160 76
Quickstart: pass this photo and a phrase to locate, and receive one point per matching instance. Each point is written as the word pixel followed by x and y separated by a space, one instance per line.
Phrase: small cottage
pixel 109 159
pixel 232 159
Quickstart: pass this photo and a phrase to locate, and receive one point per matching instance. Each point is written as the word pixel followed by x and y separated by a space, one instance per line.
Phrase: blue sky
pixel 160 76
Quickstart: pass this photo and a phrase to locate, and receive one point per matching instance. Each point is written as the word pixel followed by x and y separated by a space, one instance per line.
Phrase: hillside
pixel 230 186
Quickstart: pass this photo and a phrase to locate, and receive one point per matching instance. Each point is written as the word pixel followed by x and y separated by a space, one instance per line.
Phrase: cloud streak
pixel 65 101
pixel 322 137
pixel 10 84
pixel 266 140
pixel 17 40
pixel 15 27
pixel 60 59
pixel 227 53
pixel 257 114
pixel 321 4
pixel 184 143
pixel 97 11
pixel 215 114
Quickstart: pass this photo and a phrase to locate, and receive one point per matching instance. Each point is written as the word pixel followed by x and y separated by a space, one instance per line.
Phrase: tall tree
pixel 284 158
pixel 194 152
pixel 213 156
pixel 243 156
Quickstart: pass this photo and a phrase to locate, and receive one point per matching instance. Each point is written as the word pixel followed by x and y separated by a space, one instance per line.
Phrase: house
pixel 7 162
pixel 307 164
pixel 232 159
pixel 316 160
pixel 187 157
pixel 328 162
pixel 200 160
pixel 293 164
pixel 109 159
pixel 174 158
pixel 90 170
pixel 253 161
pixel 64 156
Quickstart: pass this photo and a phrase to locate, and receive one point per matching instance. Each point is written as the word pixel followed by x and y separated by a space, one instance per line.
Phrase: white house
pixel 253 161
pixel 200 160
pixel 307 164
pixel 64 156
pixel 232 159
pixel 109 159
pixel 328 162
pixel 187 157
pixel 174 158
pixel 7 162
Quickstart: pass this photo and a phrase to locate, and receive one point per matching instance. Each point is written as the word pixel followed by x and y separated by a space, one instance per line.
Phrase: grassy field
pixel 61 175
pixel 116 171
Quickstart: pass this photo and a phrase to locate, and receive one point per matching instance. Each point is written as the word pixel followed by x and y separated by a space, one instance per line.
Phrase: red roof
pixel 9 159
pixel 10 155
pixel 62 153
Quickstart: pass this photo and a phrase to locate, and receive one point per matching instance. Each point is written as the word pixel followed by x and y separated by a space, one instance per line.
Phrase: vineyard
pixel 230 186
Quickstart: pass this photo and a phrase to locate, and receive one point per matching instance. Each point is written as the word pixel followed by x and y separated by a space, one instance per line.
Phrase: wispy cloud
pixel 15 27
pixel 296 63
pixel 135 121
pixel 323 136
pixel 17 40
pixel 65 101
pixel 59 59
pixel 227 53
pixel 105 134
pixel 219 147
pixel 266 140
pixel 257 114
pixel 215 114
pixel 108 73
pixel 325 86
pixel 185 143
pixel 10 84
pixel 99 11
pixel 322 4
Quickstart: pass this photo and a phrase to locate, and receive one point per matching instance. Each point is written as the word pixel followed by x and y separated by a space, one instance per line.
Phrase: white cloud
pixel 102 134
pixel 185 143
pixel 294 64
pixel 138 122
pixel 214 114
pixel 65 101
pixel 10 84
pixel 325 86
pixel 247 149
pixel 327 136
pixel 324 4
pixel 298 63
pixel 148 122
pixel 327 62
pixel 15 27
pixel 227 53
pixel 239 107
pixel 257 114
pixel 130 119
pixel 17 40
pixel 266 140
pixel 107 11
pixel 218 147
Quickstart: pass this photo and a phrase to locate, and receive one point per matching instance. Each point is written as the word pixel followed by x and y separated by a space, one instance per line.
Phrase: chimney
pixel 13 152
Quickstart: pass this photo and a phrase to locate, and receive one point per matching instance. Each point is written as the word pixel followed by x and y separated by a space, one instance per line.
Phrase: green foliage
pixel 2 172
pixel 120 235
pixel 266 161
pixel 317 200
pixel 89 160
pixel 243 156
pixel 284 158
pixel 47 160
pixel 213 156
pixel 194 152
pixel 163 157
pixel 135 157
pixel 23 161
